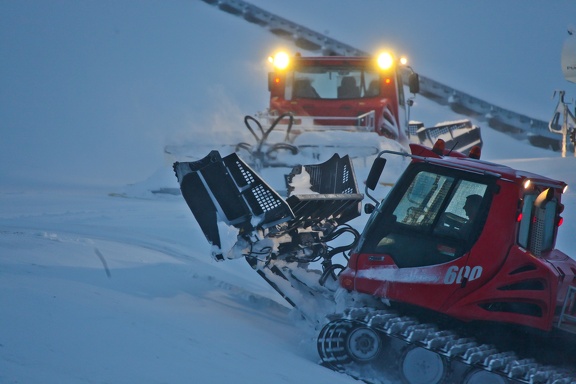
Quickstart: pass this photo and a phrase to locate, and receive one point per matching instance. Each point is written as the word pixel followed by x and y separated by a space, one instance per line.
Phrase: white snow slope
pixel 96 288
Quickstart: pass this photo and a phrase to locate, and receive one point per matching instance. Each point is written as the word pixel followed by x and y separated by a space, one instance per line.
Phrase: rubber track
pixel 462 352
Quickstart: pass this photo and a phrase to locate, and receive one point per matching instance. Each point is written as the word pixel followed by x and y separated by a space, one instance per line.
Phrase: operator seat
pixel 303 88
pixel 348 88
pixel 373 89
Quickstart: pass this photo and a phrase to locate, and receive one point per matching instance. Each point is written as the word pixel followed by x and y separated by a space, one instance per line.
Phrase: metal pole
pixel 564 126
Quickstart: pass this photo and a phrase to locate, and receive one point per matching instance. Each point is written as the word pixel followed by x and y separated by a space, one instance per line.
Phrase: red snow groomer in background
pixel 360 101
pixel 356 94
pixel 340 93
pixel 454 278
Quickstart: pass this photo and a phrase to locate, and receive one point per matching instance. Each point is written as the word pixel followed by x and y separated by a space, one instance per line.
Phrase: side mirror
pixel 375 173
pixel 414 83
pixel 369 208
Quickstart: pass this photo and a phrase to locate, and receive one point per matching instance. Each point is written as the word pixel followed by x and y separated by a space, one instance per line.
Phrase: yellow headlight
pixel 281 60
pixel 385 60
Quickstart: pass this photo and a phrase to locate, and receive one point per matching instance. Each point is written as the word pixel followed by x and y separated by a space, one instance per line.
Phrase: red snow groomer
pixel 340 93
pixel 318 105
pixel 357 94
pixel 454 278
pixel 361 100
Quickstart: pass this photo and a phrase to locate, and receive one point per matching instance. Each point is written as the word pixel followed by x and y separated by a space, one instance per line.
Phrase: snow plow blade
pixel 284 241
pixel 228 190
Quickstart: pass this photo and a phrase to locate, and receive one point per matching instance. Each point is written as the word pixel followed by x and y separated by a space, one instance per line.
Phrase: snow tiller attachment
pixel 280 238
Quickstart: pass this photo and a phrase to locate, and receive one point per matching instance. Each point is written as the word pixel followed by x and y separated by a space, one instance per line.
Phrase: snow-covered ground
pixel 100 288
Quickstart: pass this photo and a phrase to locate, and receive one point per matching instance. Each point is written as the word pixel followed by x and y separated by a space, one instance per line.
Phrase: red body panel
pixel 566 270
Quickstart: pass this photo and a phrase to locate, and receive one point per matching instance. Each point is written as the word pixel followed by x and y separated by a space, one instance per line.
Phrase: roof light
pixel 439 147
pixel 281 60
pixel 403 60
pixel 565 188
pixel 560 221
pixel 475 152
pixel 385 60
pixel 527 183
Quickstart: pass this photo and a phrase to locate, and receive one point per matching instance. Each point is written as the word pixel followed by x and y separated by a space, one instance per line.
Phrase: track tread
pixel 446 343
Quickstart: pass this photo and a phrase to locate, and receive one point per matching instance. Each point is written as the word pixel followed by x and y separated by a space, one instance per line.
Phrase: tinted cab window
pixel 432 217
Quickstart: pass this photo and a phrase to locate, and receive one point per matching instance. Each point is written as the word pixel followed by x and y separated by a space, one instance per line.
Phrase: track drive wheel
pixel 343 342
pixel 480 376
pixel 331 344
pixel 422 366
pixel 363 344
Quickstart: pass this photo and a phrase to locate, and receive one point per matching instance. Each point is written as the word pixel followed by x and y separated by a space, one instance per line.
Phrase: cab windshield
pixel 434 219
pixel 335 83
